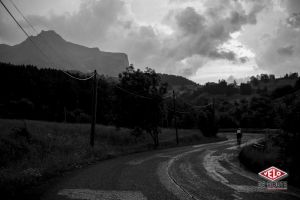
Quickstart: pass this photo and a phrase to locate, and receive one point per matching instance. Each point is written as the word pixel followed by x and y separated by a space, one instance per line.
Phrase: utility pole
pixel 94 110
pixel 213 108
pixel 175 117
pixel 214 112
pixel 65 114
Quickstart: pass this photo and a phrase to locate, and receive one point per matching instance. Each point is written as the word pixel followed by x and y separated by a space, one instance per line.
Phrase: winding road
pixel 200 172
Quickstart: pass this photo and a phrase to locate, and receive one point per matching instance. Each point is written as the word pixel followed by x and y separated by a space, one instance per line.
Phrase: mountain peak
pixel 49 35
pixel 63 54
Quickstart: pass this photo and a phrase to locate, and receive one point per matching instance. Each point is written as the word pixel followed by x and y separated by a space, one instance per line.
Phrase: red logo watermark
pixel 273 174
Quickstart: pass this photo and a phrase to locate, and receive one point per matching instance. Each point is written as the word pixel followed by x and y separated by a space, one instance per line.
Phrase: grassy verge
pixel 33 152
pixel 281 151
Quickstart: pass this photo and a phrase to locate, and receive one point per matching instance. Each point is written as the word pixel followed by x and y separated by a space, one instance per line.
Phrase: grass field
pixel 34 151
pixel 280 150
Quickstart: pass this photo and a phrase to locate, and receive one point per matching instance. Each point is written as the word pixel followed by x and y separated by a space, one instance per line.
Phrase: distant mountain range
pixel 51 50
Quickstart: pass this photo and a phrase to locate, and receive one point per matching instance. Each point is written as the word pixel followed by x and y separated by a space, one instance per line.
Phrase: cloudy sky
pixel 205 40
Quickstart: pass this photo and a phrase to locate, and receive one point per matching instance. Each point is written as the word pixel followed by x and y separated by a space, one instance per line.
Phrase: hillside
pixel 177 80
pixel 178 83
pixel 272 83
pixel 263 84
pixel 63 55
pixel 174 82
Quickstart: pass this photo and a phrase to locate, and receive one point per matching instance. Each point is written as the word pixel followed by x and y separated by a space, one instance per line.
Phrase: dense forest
pixel 141 99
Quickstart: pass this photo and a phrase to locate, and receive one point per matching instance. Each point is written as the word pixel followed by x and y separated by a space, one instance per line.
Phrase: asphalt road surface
pixel 208 171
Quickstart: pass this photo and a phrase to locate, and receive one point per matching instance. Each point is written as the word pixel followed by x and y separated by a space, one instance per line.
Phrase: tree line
pixel 139 100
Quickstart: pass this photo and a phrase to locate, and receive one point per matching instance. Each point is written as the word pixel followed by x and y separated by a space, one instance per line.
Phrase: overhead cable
pixel 34 44
pixel 129 92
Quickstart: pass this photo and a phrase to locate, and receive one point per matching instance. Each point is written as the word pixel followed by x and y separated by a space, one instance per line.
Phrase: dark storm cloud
pixel 294 20
pixel 223 55
pixel 200 34
pixel 293 6
pixel 238 18
pixel 195 37
pixel 244 59
pixel 90 23
pixel 189 21
pixel 286 51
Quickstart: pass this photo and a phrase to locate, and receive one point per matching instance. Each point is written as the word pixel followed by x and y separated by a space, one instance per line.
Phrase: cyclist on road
pixel 239 136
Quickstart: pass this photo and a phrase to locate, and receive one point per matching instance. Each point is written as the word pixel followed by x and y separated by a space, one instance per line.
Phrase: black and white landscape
pixel 149 99
pixel 59 52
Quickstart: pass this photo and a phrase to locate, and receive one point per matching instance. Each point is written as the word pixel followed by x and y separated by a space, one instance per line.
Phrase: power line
pixel 180 112
pixel 23 16
pixel 70 75
pixel 175 117
pixel 20 26
pixel 32 27
pixel 14 19
pixel 35 45
pixel 28 36
pixel 129 92
pixel 80 79
pixel 200 107
pixel 195 106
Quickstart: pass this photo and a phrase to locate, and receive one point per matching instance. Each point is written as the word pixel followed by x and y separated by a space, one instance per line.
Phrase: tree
pixel 139 101
pixel 226 121
pixel 291 120
pixel 254 80
pixel 297 84
pixel 245 89
pixel 231 89
pixel 207 122
pixel 264 78
pixel 282 91
pixel 272 77
pixel 293 75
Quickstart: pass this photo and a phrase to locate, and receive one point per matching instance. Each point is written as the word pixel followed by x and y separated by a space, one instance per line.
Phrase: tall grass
pixel 33 151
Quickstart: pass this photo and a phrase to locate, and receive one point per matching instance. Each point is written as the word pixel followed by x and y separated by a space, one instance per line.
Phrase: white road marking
pixel 244 144
pixel 209 144
pixel 170 183
pixel 240 170
pixel 236 196
pixel 214 168
pixel 212 165
pixel 88 194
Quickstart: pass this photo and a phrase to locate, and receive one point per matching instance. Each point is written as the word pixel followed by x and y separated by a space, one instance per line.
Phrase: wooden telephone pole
pixel 94 110
pixel 214 113
pixel 175 117
pixel 213 109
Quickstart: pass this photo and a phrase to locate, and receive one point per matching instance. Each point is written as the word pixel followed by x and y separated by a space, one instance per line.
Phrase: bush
pixel 15 146
pixel 282 91
pixel 226 121
pixel 282 152
pixel 257 160
pixel 207 124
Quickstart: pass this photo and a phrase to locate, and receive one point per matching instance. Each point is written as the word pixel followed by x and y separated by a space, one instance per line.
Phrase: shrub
pixel 14 146
pixel 207 124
